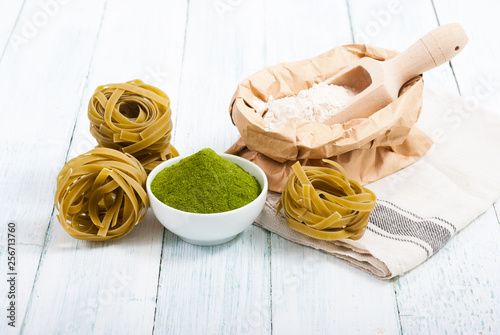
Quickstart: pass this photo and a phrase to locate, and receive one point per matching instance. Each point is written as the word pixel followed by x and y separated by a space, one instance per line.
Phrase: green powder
pixel 205 183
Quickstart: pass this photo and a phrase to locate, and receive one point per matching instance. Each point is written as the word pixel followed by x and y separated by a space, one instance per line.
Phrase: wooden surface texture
pixel 54 53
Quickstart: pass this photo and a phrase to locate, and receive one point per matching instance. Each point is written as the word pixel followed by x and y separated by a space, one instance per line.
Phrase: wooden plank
pixel 497 209
pixel 215 290
pixel 224 44
pixel 27 258
pixel 36 131
pixel 9 15
pixel 222 289
pixel 291 36
pixel 38 108
pixel 313 292
pixel 456 291
pixel 395 25
pixel 476 67
pixel 102 286
pixel 96 287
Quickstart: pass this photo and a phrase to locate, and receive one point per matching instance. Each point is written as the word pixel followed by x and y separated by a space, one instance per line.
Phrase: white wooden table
pixel 54 53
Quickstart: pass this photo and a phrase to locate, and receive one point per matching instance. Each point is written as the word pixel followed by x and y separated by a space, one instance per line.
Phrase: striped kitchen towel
pixel 420 208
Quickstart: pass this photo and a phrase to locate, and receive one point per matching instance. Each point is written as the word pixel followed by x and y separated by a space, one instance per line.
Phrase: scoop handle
pixel 435 48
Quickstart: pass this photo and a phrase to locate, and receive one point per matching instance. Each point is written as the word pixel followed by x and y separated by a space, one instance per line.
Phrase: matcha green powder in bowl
pixel 206 198
pixel 205 183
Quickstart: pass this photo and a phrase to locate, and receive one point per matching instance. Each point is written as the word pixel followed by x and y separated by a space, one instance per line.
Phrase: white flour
pixel 318 103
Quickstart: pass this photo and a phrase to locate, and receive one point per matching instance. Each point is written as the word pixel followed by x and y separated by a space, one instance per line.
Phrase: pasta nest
pixel 322 203
pixel 100 195
pixel 135 118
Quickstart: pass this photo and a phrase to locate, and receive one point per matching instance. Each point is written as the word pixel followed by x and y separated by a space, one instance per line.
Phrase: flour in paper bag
pixel 318 103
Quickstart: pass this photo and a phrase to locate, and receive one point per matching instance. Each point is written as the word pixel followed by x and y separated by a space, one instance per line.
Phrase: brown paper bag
pixel 368 148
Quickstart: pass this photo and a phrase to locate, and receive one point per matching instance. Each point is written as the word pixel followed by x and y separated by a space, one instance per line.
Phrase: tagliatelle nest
pixel 135 118
pixel 323 203
pixel 100 195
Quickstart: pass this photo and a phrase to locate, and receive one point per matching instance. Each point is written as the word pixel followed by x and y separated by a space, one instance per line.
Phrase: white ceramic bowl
pixel 212 228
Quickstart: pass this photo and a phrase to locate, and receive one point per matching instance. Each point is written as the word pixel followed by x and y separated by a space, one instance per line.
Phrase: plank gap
pixel 159 274
pixel 400 326
pixel 12 31
pixel 270 280
pixel 86 82
pixel 182 68
pixel 350 20
pixel 497 212
pixel 435 12
pixel 37 273
pixel 449 63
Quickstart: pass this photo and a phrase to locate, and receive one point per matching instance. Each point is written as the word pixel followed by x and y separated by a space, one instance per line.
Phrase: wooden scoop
pixel 379 82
